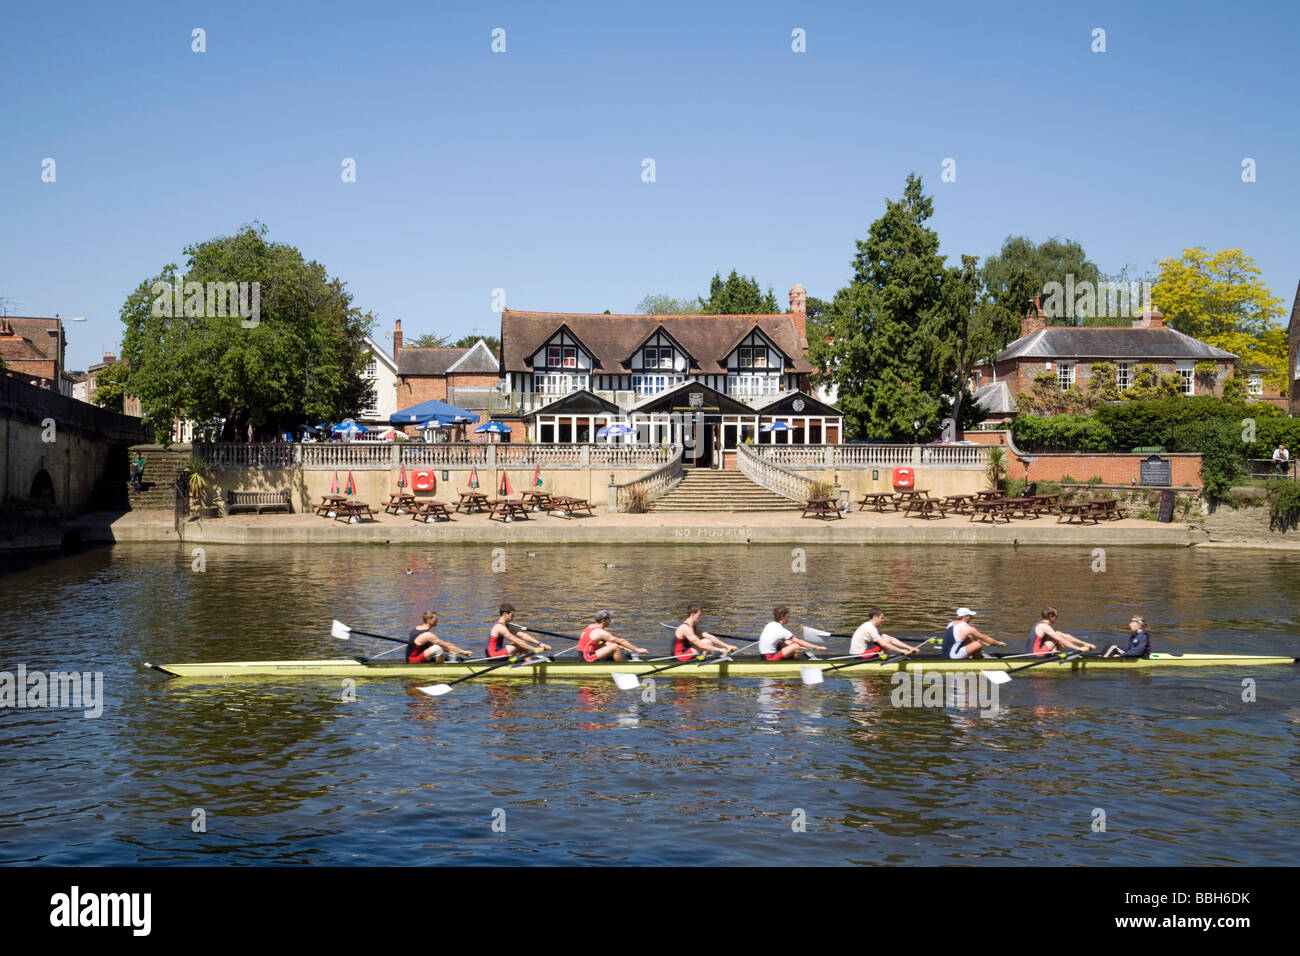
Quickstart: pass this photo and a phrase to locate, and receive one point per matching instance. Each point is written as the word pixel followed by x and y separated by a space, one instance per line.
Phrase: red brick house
pixel 1068 352
pixel 464 377
pixel 33 349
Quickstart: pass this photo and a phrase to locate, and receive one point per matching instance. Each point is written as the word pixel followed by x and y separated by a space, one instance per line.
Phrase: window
pixel 650 358
pixel 1186 371
pixel 1124 375
pixel 1255 385
pixel 570 357
pixel 1065 375
pixel 558 384
pixel 752 385
pixel 372 369
pixel 760 357
pixel 552 356
pixel 665 358
pixel 654 384
pixel 371 408
pixel 746 359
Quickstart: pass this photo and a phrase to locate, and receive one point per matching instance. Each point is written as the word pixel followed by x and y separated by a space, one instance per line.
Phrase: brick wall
pixel 1113 468
pixel 1019 374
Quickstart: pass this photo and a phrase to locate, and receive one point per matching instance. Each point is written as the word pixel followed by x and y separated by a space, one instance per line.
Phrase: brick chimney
pixel 397 339
pixel 109 358
pixel 799 312
pixel 1152 318
pixel 1033 320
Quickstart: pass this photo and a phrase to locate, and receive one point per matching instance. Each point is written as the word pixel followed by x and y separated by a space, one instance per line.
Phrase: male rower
pixel 423 645
pixel 870 641
pixel 1139 641
pixel 505 639
pixel 776 643
pixel 1045 639
pixel 688 640
pixel 962 640
pixel 598 644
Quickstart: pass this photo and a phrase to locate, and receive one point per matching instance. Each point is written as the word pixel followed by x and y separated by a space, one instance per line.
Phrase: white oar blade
pixel 339 629
pixel 812 634
pixel 812 675
pixel 626 681
pixel 436 690
pixel 997 677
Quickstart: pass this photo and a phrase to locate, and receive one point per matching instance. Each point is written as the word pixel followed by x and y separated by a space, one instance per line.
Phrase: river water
pixel 1148 768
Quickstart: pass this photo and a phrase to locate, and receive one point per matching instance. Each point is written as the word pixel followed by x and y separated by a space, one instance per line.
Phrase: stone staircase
pixel 705 490
pixel 160 470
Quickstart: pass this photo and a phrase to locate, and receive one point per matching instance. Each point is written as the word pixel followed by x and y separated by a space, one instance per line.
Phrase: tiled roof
pixel 1061 342
pixel 35 332
pixel 477 358
pixel 427 361
pixel 995 399
pixel 614 338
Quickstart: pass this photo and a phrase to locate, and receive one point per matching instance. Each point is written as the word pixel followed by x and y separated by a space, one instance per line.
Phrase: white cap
pixel 965 612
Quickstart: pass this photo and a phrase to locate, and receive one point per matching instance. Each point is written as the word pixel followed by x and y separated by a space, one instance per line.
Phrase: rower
pixel 776 643
pixel 962 640
pixel 688 641
pixel 1139 642
pixel 1044 638
pixel 869 641
pixel 506 639
pixel 598 644
pixel 423 645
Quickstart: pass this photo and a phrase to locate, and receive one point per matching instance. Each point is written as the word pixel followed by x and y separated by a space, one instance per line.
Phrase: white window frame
pixel 558 383
pixel 1255 385
pixel 1065 375
pixel 1187 371
pixel 760 356
pixel 569 357
pixel 745 357
pixel 372 404
pixel 1124 375
pixel 553 356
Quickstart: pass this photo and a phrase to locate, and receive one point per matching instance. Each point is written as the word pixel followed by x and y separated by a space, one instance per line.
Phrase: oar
pixel 728 637
pixel 343 632
pixel 633 681
pixel 437 690
pixel 816 675
pixel 538 630
pixel 1004 677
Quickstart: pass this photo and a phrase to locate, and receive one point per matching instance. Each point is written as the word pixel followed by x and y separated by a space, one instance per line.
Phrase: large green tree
pixel 737 295
pixel 1053 260
pixel 883 357
pixel 298 356
pixel 110 387
pixel 660 304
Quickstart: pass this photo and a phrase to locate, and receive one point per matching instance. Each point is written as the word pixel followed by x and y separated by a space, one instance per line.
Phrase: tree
pixel 658 304
pixel 882 357
pixel 469 341
pixel 969 326
pixel 429 341
pixel 737 295
pixel 1050 261
pixel 110 387
pixel 301 359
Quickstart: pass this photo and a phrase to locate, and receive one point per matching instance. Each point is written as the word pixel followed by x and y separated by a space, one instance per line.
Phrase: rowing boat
pixel 360 667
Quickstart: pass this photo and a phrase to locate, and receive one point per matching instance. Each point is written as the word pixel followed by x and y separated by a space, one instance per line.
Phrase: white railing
pixel 445 454
pixel 346 455
pixel 259 455
pixel 772 477
pixel 655 485
pixel 801 457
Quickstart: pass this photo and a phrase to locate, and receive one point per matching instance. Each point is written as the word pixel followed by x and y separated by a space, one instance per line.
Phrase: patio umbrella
pixel 615 430
pixel 334 485
pixel 496 428
pixel 349 428
pixel 537 475
pixel 504 489
pixel 473 477
pixel 351 489
pixel 390 434
pixel 775 427
pixel 401 477
pixel 431 424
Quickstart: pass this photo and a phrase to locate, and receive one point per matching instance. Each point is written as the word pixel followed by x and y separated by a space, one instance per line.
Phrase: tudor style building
pixel 565 373
pixel 1293 354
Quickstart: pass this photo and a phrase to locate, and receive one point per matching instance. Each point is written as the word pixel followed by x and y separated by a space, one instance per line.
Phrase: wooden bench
pixel 1071 511
pixel 822 508
pixel 991 510
pixel 347 510
pixel 876 500
pixel 507 509
pixel 1106 509
pixel 398 502
pixel 430 510
pixel 959 504
pixel 925 508
pixel 566 506
pixel 258 501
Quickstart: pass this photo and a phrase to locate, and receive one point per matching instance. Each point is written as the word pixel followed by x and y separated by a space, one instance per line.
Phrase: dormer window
pixel 558 356
pixel 652 357
pixel 755 357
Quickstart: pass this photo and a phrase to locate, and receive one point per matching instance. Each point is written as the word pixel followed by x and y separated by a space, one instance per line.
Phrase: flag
pixel 401 477
pixel 334 488
pixel 504 489
pixel 351 489
pixel 473 477
pixel 537 475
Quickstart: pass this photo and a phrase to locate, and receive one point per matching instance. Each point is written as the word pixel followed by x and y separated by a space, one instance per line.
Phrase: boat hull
pixel 358 667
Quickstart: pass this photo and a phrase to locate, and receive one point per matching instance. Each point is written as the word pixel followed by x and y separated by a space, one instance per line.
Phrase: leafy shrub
pixel 1219 443
pixel 1283 504
pixel 1061 433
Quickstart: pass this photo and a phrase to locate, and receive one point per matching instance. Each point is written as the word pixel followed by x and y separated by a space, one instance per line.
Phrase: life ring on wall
pixel 423 479
pixel 904 478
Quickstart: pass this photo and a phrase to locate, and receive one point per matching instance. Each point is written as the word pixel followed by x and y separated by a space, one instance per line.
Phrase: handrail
pixel 873 456
pixel 656 484
pixel 771 476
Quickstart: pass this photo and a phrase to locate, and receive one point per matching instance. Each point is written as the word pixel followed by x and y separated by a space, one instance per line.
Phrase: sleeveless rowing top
pixel 683 649
pixel 586 646
pixel 497 646
pixel 949 639
pixel 1036 644
pixel 414 655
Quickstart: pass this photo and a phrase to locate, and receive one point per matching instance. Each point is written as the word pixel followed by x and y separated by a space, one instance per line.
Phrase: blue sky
pixel 522 170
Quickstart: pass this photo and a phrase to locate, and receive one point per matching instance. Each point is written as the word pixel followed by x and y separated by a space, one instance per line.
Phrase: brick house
pixel 464 377
pixel 33 349
pixel 1068 352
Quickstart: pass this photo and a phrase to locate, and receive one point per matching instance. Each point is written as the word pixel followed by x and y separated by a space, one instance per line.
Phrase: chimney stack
pixel 1033 320
pixel 799 312
pixel 109 358
pixel 1152 318
pixel 397 339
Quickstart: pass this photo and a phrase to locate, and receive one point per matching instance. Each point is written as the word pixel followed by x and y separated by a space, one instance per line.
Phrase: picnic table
pixel 960 504
pixel 1070 511
pixel 991 509
pixel 539 500
pixel 430 510
pixel 822 508
pixel 565 506
pixel 330 503
pixel 399 501
pixel 925 507
pixel 877 500
pixel 347 510
pixel 903 497
pixel 471 501
pixel 989 495
pixel 1106 508
pixel 507 509
pixel 1043 503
